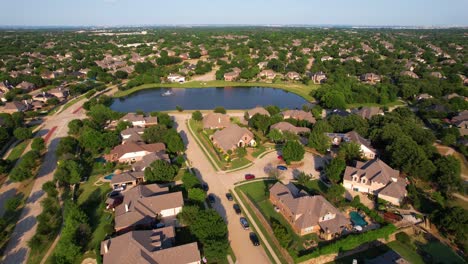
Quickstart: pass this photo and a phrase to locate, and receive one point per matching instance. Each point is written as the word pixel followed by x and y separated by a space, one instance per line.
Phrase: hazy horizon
pixel 111 13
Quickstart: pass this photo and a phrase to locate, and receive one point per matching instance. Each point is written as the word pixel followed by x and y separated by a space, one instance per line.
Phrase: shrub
pixel 197 116
pixel 281 233
pixel 179 108
pixel 13 203
pixel 403 238
pixel 38 144
pixel 220 110
pixel 22 133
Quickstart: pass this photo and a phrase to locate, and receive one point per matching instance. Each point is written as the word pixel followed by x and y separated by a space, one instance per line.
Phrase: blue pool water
pixel 357 219
pixel 109 177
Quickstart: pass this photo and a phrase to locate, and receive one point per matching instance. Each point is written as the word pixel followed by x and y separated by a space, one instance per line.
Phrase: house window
pixel 363 180
pixel 356 189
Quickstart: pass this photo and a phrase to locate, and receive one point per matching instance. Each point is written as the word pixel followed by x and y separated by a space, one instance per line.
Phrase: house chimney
pixel 106 246
pixel 126 208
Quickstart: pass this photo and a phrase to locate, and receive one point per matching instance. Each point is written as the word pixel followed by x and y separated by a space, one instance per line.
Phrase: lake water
pixel 207 98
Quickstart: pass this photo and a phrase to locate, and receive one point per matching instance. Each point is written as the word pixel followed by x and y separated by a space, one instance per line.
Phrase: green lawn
pixel 406 252
pixel 297 88
pixel 441 253
pixel 17 151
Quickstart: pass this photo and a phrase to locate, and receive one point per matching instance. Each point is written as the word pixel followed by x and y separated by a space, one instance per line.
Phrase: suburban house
pixel 5 86
pixel 285 126
pixel 140 120
pixel 132 134
pixel 376 177
pixel 128 179
pixel 299 115
pixel 173 77
pixel 293 75
pixel 461 121
pixel 144 205
pixel 216 121
pixel 233 137
pixel 261 65
pixel 59 92
pixel 26 86
pixel 15 106
pixel 43 97
pixel 268 74
pixel 149 246
pixel 370 78
pixel 257 110
pixel 231 76
pixel 409 74
pixel 369 112
pixel 326 58
pixel 365 146
pixel 423 96
pixel 148 159
pixel 308 214
pixel 318 77
pixel 133 152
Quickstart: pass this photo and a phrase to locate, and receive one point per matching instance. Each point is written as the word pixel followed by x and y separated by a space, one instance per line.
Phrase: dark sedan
pixel 244 223
pixel 254 238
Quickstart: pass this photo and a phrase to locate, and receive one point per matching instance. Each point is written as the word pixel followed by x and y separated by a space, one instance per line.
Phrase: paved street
pixel 220 183
pixel 17 250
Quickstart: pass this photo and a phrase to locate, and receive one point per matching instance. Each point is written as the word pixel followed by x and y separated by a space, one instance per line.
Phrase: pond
pixel 207 98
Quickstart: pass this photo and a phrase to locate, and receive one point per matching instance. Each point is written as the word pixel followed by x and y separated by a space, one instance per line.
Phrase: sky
pixel 261 12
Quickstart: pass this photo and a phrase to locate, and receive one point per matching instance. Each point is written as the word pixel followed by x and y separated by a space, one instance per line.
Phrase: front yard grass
pixel 17 151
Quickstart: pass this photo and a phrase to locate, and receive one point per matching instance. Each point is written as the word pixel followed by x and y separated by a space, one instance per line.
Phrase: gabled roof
pixel 148 246
pixel 144 205
pixel 375 170
pixel 127 177
pixel 216 120
pixel 285 126
pixel 308 210
pixel 299 115
pixel 120 150
pixel 355 137
pixel 229 137
pixel 150 158
pixel 258 110
pixel 369 112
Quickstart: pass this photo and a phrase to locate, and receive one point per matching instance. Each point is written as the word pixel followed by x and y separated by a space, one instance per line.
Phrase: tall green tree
pixel 293 151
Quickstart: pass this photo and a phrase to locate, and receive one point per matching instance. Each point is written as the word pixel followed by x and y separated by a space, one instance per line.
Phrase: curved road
pixel 17 250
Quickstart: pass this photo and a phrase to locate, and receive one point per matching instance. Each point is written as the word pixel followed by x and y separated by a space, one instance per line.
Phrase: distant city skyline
pixel 242 12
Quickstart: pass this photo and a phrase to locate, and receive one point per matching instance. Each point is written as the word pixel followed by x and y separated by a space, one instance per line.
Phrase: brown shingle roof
pixel 229 137
pixel 258 110
pixel 127 177
pixel 369 112
pixel 148 159
pixel 285 126
pixel 148 246
pixel 144 203
pixel 216 120
pixel 299 115
pixel 120 150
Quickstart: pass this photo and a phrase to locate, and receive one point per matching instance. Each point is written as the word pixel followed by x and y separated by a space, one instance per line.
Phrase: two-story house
pixel 233 137
pixel 365 146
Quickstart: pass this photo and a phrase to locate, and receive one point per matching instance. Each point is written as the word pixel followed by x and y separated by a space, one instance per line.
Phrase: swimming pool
pixel 357 219
pixel 109 177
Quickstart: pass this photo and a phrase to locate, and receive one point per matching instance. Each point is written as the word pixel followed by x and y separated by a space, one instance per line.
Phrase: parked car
pixel 119 189
pixel 205 187
pixel 114 193
pixel 229 196
pixel 244 223
pixel 249 176
pixel 211 198
pixel 281 167
pixel 280 157
pixel 253 237
pixel 237 209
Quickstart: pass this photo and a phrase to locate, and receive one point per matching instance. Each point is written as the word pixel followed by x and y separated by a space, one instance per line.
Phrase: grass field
pixel 17 151
pixel 297 88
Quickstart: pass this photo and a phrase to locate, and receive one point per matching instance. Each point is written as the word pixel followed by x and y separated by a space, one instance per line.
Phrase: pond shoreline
pixel 301 90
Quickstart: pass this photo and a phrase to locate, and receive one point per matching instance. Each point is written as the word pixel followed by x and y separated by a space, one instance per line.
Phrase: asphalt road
pixel 17 250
